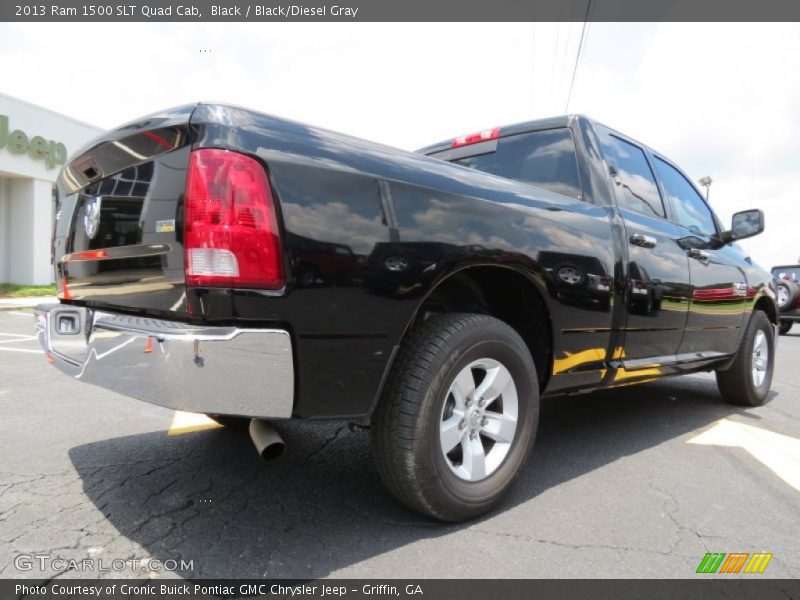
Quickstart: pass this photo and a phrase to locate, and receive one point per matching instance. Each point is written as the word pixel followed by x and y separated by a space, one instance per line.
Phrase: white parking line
pixel 186 422
pixel 21 350
pixel 27 338
pixel 18 335
pixel 779 453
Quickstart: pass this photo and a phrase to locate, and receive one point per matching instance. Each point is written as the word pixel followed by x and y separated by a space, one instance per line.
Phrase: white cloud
pixel 403 84
pixel 719 99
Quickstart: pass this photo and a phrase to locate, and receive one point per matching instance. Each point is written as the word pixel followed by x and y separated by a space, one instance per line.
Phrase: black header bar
pixel 704 587
pixel 400 10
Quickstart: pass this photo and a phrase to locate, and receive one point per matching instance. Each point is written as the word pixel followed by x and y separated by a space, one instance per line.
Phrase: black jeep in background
pixel 788 277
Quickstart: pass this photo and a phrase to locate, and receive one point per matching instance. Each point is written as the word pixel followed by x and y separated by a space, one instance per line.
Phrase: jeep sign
pixel 38 148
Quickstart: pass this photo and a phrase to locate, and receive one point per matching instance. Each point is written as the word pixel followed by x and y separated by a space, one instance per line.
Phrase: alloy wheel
pixel 760 358
pixel 479 419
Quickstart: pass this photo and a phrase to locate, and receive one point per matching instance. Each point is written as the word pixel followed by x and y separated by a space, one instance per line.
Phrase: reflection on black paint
pixel 405 268
pixel 577 279
pixel 318 263
pixel 644 292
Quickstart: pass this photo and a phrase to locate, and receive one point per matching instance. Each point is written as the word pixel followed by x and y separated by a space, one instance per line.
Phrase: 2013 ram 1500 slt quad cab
pixel 217 260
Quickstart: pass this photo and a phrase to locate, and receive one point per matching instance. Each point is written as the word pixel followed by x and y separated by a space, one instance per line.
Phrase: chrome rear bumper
pixel 213 370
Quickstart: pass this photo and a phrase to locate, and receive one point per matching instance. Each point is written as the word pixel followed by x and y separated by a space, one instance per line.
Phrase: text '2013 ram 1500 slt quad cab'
pixel 217 260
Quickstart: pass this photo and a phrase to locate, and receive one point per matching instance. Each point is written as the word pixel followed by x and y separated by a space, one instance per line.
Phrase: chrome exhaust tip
pixel 267 440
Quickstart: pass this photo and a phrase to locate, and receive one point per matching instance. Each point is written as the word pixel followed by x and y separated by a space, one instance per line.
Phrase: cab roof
pixel 536 125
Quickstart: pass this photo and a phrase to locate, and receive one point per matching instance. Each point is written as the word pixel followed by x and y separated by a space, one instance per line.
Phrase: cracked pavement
pixel 612 489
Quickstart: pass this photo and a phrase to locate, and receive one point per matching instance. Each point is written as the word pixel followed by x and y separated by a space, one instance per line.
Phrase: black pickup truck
pixel 221 261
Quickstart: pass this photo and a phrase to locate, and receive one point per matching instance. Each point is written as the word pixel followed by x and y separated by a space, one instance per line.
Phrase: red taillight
pixel 474 138
pixel 231 234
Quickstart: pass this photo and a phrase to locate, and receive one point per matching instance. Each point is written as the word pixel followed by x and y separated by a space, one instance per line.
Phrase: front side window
pixel 542 158
pixel 689 207
pixel 639 190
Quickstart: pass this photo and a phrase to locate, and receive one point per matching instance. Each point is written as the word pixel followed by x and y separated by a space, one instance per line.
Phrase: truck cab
pixel 687 292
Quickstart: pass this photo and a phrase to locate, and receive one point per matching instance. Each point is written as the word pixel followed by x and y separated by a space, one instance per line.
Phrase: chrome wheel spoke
pixel 474 462
pixel 451 432
pixel 500 427
pixel 760 359
pixel 463 386
pixel 494 384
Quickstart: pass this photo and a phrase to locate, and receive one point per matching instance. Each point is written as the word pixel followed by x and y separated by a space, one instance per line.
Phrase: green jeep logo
pixel 51 152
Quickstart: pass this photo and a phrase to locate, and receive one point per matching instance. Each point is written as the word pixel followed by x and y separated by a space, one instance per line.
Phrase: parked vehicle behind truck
pixel 217 260
pixel 788 295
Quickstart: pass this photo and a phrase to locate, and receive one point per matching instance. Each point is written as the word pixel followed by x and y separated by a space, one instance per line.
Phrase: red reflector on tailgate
pixel 85 255
pixel 231 236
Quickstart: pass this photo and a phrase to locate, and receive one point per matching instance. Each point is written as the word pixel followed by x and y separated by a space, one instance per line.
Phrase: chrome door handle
pixel 698 254
pixel 645 241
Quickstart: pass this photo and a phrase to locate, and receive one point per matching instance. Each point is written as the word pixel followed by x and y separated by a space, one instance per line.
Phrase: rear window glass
pixel 542 158
pixel 792 273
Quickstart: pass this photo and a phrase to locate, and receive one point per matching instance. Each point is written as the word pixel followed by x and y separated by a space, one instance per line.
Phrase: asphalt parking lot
pixel 637 482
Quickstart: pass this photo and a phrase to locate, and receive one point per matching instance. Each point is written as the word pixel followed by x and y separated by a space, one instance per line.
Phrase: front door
pixel 719 286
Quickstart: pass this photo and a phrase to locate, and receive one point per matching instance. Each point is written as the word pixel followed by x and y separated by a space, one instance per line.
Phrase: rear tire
pixel 746 382
pixel 785 326
pixel 445 444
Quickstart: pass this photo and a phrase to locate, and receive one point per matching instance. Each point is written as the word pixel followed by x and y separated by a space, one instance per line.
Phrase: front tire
pixel 746 382
pixel 458 416
pixel 784 327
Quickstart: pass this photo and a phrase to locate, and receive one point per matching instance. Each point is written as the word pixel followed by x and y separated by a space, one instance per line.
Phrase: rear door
pixel 571 243
pixel 719 285
pixel 656 284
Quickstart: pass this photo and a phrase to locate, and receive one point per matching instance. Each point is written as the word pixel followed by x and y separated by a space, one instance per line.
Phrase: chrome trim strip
pixel 655 362
pixel 214 370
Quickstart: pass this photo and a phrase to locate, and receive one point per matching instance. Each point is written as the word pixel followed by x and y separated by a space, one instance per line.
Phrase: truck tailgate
pixel 118 238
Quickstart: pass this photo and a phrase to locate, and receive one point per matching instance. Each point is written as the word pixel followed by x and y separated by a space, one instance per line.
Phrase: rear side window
pixel 639 191
pixel 542 158
pixel 690 209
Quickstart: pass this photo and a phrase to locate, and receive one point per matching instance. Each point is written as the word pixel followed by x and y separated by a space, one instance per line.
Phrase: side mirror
pixel 745 224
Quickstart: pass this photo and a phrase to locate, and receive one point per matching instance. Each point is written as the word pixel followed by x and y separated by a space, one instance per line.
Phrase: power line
pixel 565 53
pixel 579 54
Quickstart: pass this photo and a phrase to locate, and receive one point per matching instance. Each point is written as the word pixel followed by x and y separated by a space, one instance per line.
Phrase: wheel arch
pixel 767 305
pixel 505 292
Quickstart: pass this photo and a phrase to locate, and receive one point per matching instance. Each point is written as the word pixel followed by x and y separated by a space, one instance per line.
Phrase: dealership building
pixel 34 144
